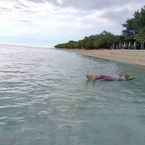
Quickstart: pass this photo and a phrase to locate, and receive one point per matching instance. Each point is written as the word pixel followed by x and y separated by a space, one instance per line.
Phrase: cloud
pixel 61 20
pixel 90 4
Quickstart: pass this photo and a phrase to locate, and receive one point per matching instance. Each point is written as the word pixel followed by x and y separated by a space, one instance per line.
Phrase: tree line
pixel 132 37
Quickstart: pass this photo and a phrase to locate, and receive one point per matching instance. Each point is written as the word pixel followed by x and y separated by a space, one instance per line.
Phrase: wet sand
pixel 127 56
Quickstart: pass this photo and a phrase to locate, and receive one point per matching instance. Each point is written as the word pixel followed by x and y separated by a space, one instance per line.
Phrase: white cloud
pixel 60 2
pixel 50 22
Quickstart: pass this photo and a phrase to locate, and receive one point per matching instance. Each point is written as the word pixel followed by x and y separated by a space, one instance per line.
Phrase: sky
pixel 49 22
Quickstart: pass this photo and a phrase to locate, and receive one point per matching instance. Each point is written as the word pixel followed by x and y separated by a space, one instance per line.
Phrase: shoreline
pixel 136 57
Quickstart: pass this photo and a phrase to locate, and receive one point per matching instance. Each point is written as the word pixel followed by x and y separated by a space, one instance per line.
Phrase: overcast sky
pixel 48 22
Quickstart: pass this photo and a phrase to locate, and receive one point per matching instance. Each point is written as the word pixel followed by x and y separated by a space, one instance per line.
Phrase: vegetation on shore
pixel 133 36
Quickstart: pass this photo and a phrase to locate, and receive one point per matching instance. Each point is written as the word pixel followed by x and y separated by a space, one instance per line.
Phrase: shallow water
pixel 46 100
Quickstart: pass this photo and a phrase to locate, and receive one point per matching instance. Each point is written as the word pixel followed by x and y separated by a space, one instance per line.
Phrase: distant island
pixel 133 36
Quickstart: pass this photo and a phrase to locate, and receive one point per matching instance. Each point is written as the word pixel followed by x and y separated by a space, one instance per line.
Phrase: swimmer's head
pixel 91 76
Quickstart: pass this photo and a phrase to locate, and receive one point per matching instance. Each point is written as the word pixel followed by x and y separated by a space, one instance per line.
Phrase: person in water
pixel 125 77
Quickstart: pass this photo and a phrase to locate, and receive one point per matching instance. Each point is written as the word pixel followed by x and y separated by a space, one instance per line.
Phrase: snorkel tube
pixel 129 77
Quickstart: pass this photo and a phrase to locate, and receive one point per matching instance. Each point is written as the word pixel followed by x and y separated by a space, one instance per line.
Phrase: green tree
pixel 136 26
pixel 103 40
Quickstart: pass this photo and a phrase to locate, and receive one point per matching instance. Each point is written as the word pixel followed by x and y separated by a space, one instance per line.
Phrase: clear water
pixel 46 100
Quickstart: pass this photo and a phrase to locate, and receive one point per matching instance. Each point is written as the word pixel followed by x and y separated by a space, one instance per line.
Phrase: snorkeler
pixel 125 77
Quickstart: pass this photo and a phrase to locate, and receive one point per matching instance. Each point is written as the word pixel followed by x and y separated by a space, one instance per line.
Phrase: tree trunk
pixel 134 45
pixel 129 45
pixel 142 45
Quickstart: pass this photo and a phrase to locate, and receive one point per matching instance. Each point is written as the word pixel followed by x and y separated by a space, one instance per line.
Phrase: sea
pixel 45 99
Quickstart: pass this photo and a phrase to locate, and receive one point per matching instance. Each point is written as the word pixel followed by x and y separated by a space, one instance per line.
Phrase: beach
pixel 127 56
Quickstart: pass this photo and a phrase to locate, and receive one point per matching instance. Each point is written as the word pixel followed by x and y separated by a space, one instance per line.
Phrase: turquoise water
pixel 46 100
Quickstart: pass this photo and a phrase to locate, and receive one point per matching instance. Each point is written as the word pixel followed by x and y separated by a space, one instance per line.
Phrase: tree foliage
pixel 136 25
pixel 103 40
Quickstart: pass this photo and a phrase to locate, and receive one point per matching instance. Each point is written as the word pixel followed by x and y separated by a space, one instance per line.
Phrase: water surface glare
pixel 46 100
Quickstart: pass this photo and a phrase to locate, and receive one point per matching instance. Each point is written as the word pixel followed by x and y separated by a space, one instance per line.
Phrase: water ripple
pixel 45 99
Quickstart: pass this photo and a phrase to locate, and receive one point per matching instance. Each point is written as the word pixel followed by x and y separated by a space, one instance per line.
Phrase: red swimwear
pixel 105 78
